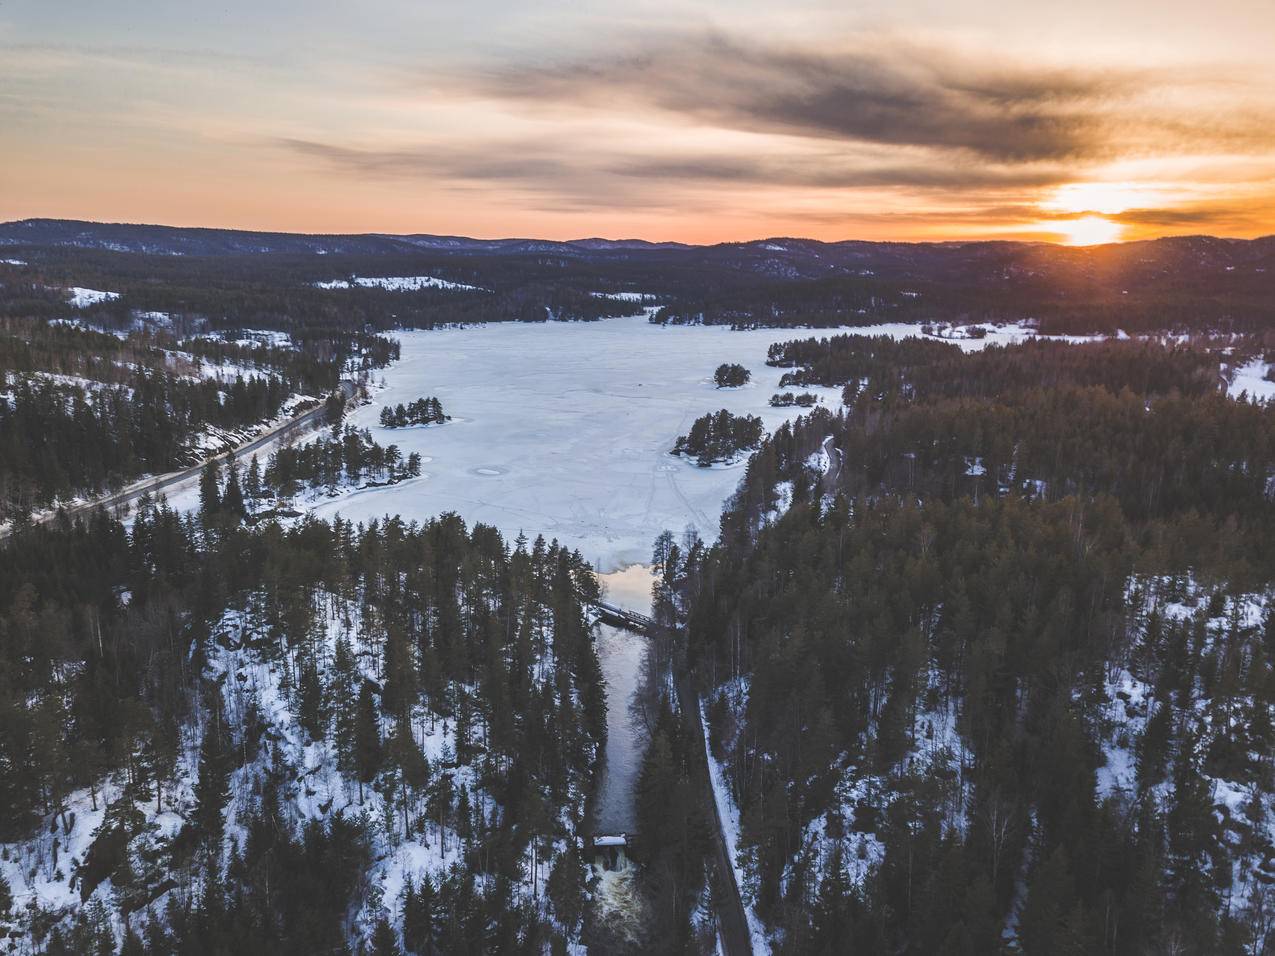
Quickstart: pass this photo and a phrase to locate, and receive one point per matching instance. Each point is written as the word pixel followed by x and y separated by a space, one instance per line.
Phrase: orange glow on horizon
pixel 1088 230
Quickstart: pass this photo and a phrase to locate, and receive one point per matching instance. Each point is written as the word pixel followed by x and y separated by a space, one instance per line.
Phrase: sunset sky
pixel 1092 120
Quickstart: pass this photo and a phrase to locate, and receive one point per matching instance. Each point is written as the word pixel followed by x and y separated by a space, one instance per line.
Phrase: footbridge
pixel 620 617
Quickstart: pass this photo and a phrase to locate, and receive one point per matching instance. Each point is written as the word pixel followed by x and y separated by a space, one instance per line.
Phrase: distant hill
pixel 777 258
pixel 1187 282
pixel 183 241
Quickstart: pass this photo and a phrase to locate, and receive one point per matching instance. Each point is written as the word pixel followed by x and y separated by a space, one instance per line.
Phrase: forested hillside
pixel 263 280
pixel 986 655
pixel 83 411
pixel 315 739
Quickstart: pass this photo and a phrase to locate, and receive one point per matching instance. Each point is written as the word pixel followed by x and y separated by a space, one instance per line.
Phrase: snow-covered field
pixel 565 429
pixel 398 284
pixel 1251 380
pixel 82 298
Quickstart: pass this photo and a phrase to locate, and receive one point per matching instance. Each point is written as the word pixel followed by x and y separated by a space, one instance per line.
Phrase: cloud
pixel 544 174
pixel 885 92
pixel 537 164
pixel 698 121
pixel 834 173
pixel 1259 214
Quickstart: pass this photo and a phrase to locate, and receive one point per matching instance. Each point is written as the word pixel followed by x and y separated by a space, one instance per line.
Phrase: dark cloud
pixel 830 173
pixel 480 162
pixel 536 164
pixel 885 93
pixel 1183 215
pixel 551 177
pixel 1208 216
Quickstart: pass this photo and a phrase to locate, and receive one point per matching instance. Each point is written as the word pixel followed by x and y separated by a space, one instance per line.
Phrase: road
pixel 831 477
pixel 732 922
pixel 153 486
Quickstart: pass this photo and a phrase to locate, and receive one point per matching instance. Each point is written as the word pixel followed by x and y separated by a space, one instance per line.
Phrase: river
pixel 623 658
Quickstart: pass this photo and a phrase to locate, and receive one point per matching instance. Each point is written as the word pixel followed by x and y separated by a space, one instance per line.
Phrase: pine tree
pixel 252 484
pixel 310 704
pixel 420 918
pixel 367 738
pixel 833 924
pixel 210 490
pixel 566 888
pixel 1050 899
pixel 232 502
pixel 132 945
pixel 384 942
pixel 212 789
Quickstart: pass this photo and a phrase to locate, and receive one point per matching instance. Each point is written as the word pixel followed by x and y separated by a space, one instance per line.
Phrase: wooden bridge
pixel 619 617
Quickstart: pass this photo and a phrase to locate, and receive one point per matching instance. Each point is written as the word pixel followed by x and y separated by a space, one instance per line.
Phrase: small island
pixel 423 411
pixel 731 375
pixel 720 438
pixel 788 399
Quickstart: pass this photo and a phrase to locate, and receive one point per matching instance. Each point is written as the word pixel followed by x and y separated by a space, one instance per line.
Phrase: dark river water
pixel 622 655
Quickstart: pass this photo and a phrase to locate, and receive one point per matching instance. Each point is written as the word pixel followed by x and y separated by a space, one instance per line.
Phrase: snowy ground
pixel 565 428
pixel 729 815
pixel 82 298
pixel 1251 379
pixel 398 284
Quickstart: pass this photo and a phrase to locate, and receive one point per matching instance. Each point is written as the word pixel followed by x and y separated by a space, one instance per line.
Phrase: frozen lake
pixel 564 429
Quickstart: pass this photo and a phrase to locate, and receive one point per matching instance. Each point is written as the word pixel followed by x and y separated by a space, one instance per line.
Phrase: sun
pixel 1104 198
pixel 1088 230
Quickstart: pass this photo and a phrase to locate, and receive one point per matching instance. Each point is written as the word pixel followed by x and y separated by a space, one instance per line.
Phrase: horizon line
pixel 626 239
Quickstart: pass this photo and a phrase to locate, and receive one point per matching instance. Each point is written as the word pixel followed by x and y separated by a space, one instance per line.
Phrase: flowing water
pixel 618 903
pixel 622 655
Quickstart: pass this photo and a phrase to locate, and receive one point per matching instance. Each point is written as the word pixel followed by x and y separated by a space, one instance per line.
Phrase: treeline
pixel 918 368
pixel 1175 290
pixel 312 361
pixel 1205 453
pixel 1182 284
pixel 118 648
pixel 277 291
pixel 719 437
pixel 423 411
pixel 1004 672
